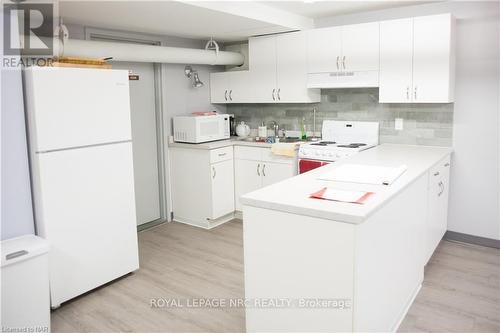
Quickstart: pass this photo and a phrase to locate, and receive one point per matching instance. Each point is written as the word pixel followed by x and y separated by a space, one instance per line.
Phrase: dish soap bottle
pixel 303 135
pixel 263 131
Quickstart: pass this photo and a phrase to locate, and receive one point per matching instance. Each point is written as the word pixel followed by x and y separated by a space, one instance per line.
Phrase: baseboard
pixel 148 225
pixel 205 224
pixel 476 240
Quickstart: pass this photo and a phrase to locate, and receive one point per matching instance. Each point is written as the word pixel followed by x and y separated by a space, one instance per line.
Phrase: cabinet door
pixel 432 59
pixel 360 47
pixel 292 69
pixel 275 172
pixel 222 175
pixel 262 61
pixel 239 87
pixel 437 220
pixel 324 50
pixel 219 87
pixel 396 52
pixel 247 178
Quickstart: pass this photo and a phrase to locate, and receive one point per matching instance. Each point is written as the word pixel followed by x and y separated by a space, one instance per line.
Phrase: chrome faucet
pixel 275 126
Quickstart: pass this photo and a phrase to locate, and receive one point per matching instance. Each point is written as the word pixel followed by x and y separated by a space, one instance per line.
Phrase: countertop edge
pixel 340 217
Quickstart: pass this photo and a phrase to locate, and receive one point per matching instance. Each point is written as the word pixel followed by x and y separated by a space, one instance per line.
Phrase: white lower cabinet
pixel 202 185
pixel 256 167
pixel 222 188
pixel 275 172
pixel 437 207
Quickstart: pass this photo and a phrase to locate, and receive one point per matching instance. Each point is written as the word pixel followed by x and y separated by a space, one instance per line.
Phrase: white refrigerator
pixel 82 174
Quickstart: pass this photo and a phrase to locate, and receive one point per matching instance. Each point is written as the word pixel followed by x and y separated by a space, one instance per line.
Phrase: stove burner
pixel 323 143
pixel 352 145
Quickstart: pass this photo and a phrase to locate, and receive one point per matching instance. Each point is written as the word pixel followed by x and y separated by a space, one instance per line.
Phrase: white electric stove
pixel 339 140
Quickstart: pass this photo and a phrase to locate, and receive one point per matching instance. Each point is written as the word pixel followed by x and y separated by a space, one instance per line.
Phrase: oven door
pixel 308 165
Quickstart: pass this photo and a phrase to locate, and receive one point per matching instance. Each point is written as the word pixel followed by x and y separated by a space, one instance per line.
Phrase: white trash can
pixel 25 285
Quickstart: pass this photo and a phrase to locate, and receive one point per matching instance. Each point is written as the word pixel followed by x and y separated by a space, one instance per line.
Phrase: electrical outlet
pixel 398 124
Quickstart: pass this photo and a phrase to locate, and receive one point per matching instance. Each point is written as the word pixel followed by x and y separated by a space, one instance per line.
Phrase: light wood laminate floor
pixel 461 291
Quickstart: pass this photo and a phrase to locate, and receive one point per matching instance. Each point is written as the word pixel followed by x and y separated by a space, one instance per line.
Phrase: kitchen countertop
pixel 292 195
pixel 233 141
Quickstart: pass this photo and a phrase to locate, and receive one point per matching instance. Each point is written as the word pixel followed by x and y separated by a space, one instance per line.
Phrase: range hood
pixel 344 79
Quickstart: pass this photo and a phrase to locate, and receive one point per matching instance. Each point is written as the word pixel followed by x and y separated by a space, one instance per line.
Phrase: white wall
pixel 475 175
pixel 178 96
pixel 16 207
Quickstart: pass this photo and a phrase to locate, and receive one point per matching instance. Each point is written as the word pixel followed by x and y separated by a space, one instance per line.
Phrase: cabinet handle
pixel 408 92
pixel 274 98
pixel 338 58
pixel 447 164
pixel 231 94
pixel 264 170
pixel 279 97
pixel 415 93
pixel 436 173
pixel 441 186
pixel 214 173
pixel 343 62
pixel 222 154
pixel 225 94
pixel 258 169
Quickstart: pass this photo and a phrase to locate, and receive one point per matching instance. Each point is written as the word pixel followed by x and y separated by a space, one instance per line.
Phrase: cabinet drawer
pixel 221 154
pixel 248 153
pixel 268 156
pixel 440 171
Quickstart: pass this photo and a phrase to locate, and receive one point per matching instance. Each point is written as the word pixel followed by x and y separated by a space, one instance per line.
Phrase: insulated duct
pixel 144 53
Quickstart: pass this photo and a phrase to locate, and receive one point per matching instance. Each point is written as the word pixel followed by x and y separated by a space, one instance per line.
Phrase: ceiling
pixel 319 9
pixel 223 20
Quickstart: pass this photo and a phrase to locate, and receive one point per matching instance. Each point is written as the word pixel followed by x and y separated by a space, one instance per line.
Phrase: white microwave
pixel 197 129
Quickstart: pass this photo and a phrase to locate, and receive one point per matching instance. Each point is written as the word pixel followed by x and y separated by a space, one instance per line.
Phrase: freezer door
pixel 74 107
pixel 85 207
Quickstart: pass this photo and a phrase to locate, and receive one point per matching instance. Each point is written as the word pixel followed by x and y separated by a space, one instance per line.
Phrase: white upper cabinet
pixel 277 74
pixel 324 50
pixel 344 56
pixel 230 87
pixel 344 48
pixel 396 61
pixel 291 69
pixel 360 47
pixel 278 67
pixel 417 60
pixel 262 64
pixel 219 86
pixel 433 59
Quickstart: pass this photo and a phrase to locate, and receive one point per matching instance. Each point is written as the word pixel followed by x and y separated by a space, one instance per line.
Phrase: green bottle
pixel 303 129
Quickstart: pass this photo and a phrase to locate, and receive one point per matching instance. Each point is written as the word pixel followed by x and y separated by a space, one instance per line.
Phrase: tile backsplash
pixel 423 124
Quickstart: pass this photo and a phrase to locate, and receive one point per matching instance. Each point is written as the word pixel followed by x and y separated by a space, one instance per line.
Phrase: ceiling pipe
pixel 144 53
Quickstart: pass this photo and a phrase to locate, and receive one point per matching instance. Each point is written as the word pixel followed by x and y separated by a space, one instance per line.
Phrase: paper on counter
pixel 358 197
pixel 364 174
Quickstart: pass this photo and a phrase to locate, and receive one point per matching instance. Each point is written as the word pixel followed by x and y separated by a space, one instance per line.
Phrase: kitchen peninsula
pixel 370 256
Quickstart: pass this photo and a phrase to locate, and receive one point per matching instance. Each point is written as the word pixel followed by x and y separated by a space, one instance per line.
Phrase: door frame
pixel 161 136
